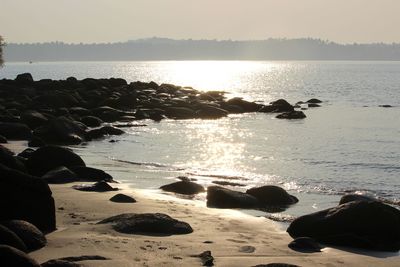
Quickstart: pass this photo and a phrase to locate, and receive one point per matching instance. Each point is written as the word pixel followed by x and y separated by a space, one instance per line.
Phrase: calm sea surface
pixel 348 144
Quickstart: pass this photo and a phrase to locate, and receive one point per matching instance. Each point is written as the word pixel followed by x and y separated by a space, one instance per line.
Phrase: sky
pixel 94 21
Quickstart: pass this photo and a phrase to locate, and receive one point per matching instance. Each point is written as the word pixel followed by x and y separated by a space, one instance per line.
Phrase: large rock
pixel 89 174
pixel 183 187
pixel 26 197
pixel 15 131
pixel 32 237
pixel 62 131
pixel 101 186
pixel 24 79
pixel 12 257
pixel 91 121
pixel 148 223
pixel 272 195
pixel 180 113
pixel 280 105
pixel 355 197
pixel 219 197
pixel 122 198
pixel 370 225
pixel 9 238
pixel 292 115
pixel 60 175
pixel 8 159
pixel 211 112
pixel 48 158
pixel 33 119
pixel 244 105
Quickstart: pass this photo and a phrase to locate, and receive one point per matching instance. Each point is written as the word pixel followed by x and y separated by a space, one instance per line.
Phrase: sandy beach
pixel 236 239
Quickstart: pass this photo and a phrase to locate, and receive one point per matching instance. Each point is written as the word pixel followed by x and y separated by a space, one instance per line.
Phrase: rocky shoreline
pixel 51 114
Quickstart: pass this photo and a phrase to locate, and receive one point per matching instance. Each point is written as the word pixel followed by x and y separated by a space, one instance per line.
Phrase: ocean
pixel 349 144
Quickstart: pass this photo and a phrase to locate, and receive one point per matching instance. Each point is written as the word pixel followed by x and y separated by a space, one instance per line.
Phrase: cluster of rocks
pixel 358 221
pixel 71 111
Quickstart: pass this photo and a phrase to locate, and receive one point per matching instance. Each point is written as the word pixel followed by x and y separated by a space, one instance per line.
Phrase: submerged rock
pixel 362 224
pixel 148 223
pixel 272 195
pixel 183 187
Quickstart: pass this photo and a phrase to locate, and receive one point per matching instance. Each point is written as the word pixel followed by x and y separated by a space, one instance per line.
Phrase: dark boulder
pixel 60 175
pixel 24 79
pixel 26 153
pixel 15 131
pixel 272 195
pixel 305 244
pixel 183 187
pixel 211 112
pixel 33 118
pixel 62 131
pixel 12 257
pixel 97 187
pixel 219 197
pixel 313 105
pixel 9 238
pixel 36 142
pixel 91 121
pixel 355 197
pixel 8 159
pixel 60 263
pixel 47 158
pixel 180 113
pixel 32 237
pixel 109 130
pixel 370 225
pixel 280 105
pixel 148 223
pixel 314 101
pixel 292 115
pixel 27 198
pixel 89 174
pixel 244 105
pixel 3 140
pixel 122 198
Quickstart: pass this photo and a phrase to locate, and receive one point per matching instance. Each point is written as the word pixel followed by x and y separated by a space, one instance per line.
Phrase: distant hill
pixel 169 49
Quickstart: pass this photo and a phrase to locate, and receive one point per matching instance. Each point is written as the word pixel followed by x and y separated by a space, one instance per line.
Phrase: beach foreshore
pixel 233 235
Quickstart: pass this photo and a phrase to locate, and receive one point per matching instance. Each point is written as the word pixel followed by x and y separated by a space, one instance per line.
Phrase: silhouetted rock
pixel 314 101
pixel 15 131
pixel 62 131
pixel 246 106
pixel 8 159
pixel 219 197
pixel 122 198
pixel 280 105
pixel 305 244
pixel 109 130
pixel 180 113
pixel 313 105
pixel 292 115
pixel 12 257
pixel 9 238
pixel 272 195
pixel 32 237
pixel 97 187
pixel 48 158
pixel 24 79
pixel 89 174
pixel 362 224
pixel 26 197
pixel 91 121
pixel 211 112
pixel 183 187
pixel 60 175
pixel 355 197
pixel 148 223
pixel 3 140
pixel 33 119
pixel 36 142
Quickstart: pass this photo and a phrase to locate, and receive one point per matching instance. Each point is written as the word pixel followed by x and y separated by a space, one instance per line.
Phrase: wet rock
pixel 211 112
pixel 36 142
pixel 89 174
pixel 12 257
pixel 219 197
pixel 226 183
pixel 109 130
pixel 292 115
pixel 60 175
pixel 122 198
pixel 313 105
pixel 15 131
pixel 183 187
pixel 180 113
pixel 48 158
pixel 280 105
pixel 370 225
pixel 244 105
pixel 97 187
pixel 148 223
pixel 305 244
pixel 26 197
pixel 9 238
pixel 32 237
pixel 272 195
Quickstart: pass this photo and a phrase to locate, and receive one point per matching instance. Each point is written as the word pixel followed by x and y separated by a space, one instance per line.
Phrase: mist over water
pixel 348 144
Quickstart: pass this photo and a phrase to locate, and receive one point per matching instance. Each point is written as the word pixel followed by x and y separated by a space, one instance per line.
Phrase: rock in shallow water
pixel 148 223
pixel 219 197
pixel 292 115
pixel 362 224
pixel 183 187
pixel 272 195
pixel 101 186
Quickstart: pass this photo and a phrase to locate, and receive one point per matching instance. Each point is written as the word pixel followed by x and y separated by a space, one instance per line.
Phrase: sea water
pixel 349 144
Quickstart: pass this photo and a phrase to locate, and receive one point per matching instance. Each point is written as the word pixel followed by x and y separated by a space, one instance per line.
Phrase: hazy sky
pixel 344 21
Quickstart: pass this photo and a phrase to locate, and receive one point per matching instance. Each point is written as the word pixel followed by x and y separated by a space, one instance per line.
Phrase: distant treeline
pixel 168 49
